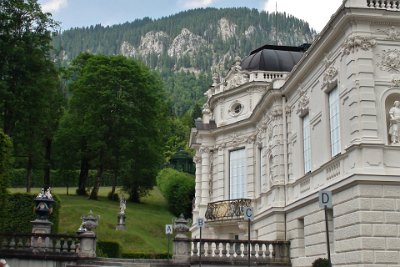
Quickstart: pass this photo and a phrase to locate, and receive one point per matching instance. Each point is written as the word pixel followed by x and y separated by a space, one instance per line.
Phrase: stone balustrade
pixel 384 4
pixel 235 251
pixel 41 245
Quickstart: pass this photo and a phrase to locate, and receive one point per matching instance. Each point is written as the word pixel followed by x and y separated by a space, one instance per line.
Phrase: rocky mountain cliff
pixel 197 42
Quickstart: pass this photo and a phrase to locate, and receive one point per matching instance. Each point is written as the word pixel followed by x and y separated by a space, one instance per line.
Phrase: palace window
pixel 306 143
pixel 237 174
pixel 334 120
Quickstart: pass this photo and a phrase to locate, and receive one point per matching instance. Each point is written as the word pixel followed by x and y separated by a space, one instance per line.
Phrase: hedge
pixel 108 249
pixel 19 212
pixel 59 179
pixel 144 255
pixel 178 189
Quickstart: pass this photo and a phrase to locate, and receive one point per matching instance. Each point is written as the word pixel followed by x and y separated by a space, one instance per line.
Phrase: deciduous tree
pixel 28 81
pixel 117 107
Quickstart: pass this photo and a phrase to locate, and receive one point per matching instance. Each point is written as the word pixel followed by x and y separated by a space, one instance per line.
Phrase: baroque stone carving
pixel 236 77
pixel 392 33
pixel 206 109
pixel 396 82
pixel 329 75
pixel 197 159
pixel 204 149
pixel 390 60
pixel 304 100
pixel 356 42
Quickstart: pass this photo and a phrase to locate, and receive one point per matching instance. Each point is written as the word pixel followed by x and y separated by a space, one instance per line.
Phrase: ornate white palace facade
pixel 288 122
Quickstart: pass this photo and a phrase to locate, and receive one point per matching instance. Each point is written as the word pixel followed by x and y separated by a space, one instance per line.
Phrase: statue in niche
pixel 394 128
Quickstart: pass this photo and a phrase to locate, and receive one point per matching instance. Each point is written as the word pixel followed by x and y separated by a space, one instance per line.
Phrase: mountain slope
pixel 196 42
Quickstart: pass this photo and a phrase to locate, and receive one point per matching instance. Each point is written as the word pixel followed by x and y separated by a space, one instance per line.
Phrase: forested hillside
pixel 187 47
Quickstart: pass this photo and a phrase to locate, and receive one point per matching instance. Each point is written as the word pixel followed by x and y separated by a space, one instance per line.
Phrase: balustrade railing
pixel 55 245
pixel 226 209
pixel 388 4
pixel 236 251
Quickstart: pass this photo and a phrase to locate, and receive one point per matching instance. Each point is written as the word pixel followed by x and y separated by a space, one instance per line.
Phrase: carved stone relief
pixel 356 42
pixel 390 60
pixel 304 100
pixel 197 159
pixel 392 33
pixel 329 75
pixel 211 172
pixel 395 82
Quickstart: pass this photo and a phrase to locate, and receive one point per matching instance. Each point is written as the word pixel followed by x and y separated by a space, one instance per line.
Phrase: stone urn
pixel 43 204
pixel 181 227
pixel 89 222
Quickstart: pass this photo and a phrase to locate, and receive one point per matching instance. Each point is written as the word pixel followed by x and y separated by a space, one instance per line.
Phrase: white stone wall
pixel 364 231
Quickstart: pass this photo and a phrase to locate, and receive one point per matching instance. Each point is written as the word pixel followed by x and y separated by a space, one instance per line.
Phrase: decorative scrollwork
pixel 390 60
pixel 226 209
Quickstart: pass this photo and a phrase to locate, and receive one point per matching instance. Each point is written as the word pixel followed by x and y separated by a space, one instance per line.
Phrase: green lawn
pixel 145 222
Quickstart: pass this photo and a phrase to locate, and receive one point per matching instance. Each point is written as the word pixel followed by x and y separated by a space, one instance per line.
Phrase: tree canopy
pixel 30 98
pixel 117 115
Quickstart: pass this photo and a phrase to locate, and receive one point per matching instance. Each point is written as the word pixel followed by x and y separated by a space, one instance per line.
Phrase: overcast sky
pixel 79 13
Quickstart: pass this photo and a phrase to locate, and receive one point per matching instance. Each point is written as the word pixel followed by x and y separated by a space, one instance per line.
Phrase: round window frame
pixel 233 109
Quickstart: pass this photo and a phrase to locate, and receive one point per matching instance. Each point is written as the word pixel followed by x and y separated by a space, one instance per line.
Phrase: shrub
pixel 178 189
pixel 5 163
pixel 320 262
pixel 59 178
pixel 108 249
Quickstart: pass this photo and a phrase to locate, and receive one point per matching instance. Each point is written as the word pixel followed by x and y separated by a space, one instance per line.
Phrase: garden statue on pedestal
pixel 121 214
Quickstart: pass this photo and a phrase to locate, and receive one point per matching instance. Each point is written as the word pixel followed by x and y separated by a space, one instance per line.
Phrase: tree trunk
pixel 47 162
pixel 29 170
pixel 114 184
pixel 96 186
pixel 134 194
pixel 83 176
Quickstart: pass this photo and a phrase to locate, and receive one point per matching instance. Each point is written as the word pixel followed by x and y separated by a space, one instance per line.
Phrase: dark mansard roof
pixel 274 58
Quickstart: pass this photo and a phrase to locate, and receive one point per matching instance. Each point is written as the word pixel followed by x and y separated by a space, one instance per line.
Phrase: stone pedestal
pixel 121 221
pixel 41 226
pixel 87 244
pixel 181 241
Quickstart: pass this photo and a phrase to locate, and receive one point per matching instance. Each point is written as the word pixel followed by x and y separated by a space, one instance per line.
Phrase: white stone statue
pixel 122 205
pixel 394 129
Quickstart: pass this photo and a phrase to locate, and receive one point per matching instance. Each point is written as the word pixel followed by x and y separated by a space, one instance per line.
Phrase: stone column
pixel 197 160
pixel 205 176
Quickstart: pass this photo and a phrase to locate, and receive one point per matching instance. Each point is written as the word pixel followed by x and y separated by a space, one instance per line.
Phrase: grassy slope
pixel 145 222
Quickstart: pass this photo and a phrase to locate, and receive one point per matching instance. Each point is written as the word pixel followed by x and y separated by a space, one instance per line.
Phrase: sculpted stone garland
pixel 356 42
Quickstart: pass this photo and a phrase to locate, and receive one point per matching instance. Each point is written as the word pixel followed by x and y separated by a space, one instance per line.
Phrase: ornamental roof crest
pixel 236 76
